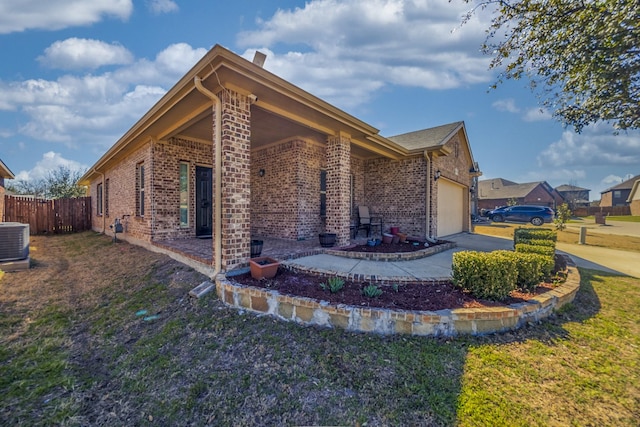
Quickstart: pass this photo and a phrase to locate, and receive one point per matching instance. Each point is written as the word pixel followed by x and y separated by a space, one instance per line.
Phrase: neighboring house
pixel 574 196
pixel 277 162
pixel 634 198
pixel 493 193
pixel 618 194
pixel 5 173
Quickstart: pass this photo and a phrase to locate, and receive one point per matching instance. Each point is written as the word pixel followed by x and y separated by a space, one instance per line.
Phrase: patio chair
pixel 366 221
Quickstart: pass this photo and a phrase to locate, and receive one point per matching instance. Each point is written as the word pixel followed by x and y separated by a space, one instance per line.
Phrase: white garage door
pixel 450 207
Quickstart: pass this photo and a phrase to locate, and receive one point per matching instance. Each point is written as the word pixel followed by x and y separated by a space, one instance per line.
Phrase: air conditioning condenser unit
pixel 14 241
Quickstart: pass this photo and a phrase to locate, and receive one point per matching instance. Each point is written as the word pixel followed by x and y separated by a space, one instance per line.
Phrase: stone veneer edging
pixel 397 256
pixel 474 321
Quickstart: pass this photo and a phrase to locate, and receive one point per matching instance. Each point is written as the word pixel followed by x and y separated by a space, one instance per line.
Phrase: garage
pixel 451 207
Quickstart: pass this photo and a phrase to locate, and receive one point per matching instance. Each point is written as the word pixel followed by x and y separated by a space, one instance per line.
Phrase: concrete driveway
pixel 439 265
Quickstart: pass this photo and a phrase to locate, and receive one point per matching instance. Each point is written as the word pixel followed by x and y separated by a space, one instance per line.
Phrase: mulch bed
pixel 411 296
pixel 390 248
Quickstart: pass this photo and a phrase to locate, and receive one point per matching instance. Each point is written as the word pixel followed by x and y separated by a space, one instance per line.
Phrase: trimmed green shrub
pixel 539 242
pixel 533 234
pixel 536 249
pixel 532 269
pixel 490 275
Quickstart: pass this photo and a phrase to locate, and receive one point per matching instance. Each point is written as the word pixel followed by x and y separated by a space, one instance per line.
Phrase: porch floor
pixel 201 250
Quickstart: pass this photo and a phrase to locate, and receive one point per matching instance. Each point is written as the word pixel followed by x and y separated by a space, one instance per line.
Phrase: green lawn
pixel 76 349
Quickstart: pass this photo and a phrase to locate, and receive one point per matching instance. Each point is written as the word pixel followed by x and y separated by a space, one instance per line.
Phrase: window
pixel 184 194
pixel 99 199
pixel 106 197
pixel 140 187
pixel 617 194
pixel 323 193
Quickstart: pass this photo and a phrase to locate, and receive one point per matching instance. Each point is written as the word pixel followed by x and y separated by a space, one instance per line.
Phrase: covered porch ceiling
pixel 266 128
pixel 279 111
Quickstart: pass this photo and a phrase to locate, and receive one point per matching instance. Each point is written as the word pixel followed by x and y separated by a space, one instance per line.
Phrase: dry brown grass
pixel 612 241
pixel 73 351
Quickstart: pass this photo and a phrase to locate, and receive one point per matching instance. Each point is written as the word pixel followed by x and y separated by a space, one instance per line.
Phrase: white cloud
pixel 162 6
pixel 50 161
pixel 74 53
pixel 95 109
pixel 16 16
pixel 611 180
pixel 596 146
pixel 372 43
pixel 537 115
pixel 506 105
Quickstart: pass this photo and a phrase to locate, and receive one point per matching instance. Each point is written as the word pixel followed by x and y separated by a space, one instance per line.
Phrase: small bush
pixel 490 275
pixel 532 269
pixel 371 291
pixel 533 234
pixel 538 242
pixel 563 215
pixel 334 284
pixel 536 249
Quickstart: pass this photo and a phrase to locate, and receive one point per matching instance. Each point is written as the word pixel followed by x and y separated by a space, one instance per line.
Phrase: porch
pixel 201 250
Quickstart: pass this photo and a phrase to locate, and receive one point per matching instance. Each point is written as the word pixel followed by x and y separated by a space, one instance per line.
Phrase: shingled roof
pixel 427 138
pixel 569 187
pixel 625 185
pixel 508 191
pixel 5 172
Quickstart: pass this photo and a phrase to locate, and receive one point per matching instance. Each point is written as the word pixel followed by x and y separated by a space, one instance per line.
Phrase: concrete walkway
pixel 439 265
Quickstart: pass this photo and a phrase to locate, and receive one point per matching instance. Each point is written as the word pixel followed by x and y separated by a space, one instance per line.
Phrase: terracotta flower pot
pixel 387 238
pixel 402 237
pixel 263 267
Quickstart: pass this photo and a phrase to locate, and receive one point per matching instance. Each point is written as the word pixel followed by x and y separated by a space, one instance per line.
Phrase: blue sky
pixel 77 74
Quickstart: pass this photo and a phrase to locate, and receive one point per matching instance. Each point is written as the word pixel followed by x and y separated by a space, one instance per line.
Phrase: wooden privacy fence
pixel 605 210
pixel 49 216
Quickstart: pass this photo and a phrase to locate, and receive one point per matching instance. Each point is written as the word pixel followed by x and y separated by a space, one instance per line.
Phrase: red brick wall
pixel 395 190
pixel 606 199
pixel 285 202
pixel 236 179
pixel 338 187
pixel 539 197
pixel 122 195
pixel 166 185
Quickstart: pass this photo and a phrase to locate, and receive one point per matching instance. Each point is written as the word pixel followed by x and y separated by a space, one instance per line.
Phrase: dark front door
pixel 204 204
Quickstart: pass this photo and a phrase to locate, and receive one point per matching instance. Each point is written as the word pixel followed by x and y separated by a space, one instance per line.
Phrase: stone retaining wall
pixel 475 321
pixel 396 256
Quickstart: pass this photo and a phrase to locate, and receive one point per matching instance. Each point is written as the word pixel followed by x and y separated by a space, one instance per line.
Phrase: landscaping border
pixel 395 256
pixel 451 322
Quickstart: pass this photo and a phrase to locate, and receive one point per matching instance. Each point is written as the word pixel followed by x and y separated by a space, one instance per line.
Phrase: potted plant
pixel 263 267
pixel 327 240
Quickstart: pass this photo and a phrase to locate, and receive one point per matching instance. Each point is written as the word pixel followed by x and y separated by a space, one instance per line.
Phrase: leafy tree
pixel 583 55
pixel 59 183
pixel 62 182
pixel 563 214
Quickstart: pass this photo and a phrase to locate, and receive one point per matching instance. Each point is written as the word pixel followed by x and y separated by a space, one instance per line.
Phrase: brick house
pixel 574 196
pixel 618 194
pixel 634 198
pixel 493 193
pixel 277 162
pixel 5 173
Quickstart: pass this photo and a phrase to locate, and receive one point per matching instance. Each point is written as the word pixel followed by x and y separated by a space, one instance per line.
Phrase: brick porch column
pixel 236 188
pixel 338 188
